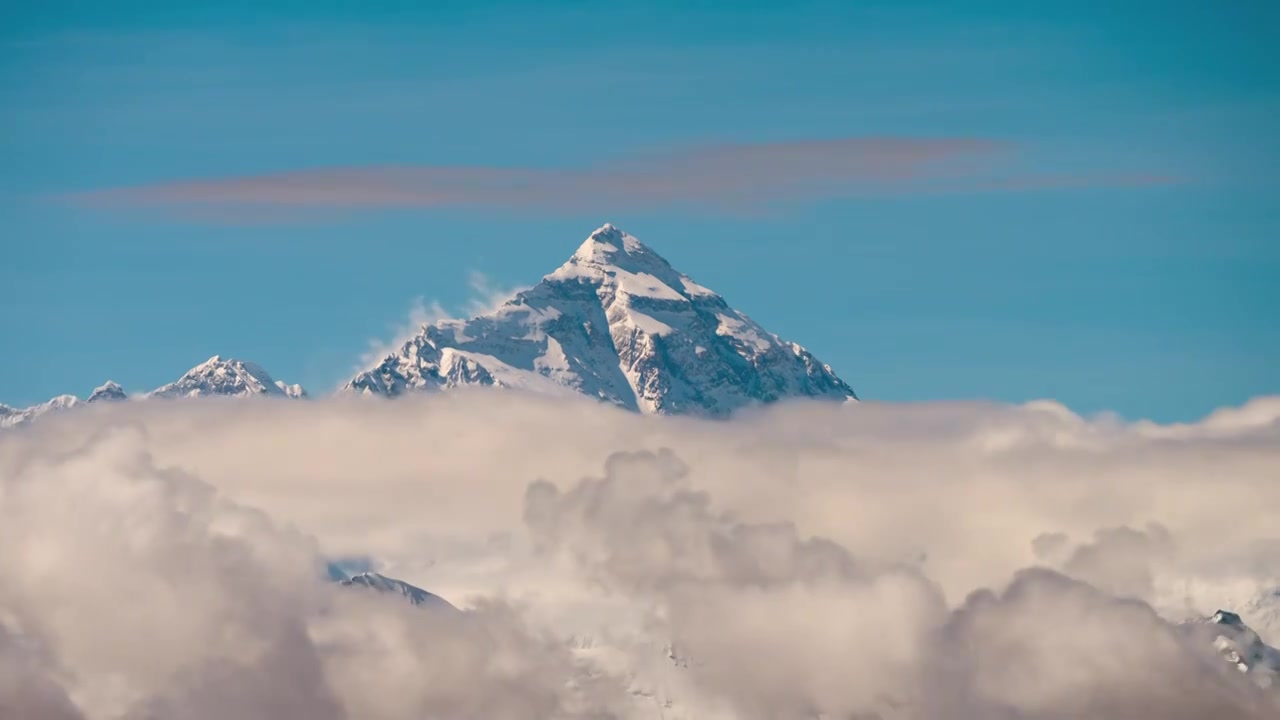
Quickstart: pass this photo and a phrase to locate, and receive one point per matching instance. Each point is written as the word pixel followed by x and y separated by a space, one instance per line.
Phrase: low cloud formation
pixel 420 314
pixel 485 297
pixel 136 591
pixel 901 562
pixel 732 178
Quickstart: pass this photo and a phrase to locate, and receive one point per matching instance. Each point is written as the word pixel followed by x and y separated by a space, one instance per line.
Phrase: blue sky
pixel 1119 251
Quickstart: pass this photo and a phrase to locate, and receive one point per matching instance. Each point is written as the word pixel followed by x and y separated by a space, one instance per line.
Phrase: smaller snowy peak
pixel 294 391
pixel 61 402
pixel 1242 646
pixel 108 391
pixel 12 417
pixel 382 583
pixel 226 377
pixel 1226 617
pixel 215 376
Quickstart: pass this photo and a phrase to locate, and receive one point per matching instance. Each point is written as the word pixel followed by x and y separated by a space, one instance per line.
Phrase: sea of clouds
pixel 963 561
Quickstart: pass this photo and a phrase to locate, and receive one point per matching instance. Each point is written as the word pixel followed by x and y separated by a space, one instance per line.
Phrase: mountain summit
pixel 618 323
pixel 227 377
pixel 108 391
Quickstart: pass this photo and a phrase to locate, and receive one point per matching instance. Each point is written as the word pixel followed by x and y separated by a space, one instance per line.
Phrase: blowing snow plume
pixel 907 562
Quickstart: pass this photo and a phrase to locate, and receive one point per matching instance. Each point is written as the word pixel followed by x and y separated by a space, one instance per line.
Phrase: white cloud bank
pixel 913 562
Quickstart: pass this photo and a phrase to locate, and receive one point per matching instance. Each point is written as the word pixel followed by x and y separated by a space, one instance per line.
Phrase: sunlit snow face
pixel 616 322
pixel 953 560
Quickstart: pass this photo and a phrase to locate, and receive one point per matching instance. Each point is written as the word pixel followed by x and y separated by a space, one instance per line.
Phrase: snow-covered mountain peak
pixel 1226 617
pixel 219 376
pixel 109 390
pixel 1240 645
pixel 215 376
pixel 610 246
pixel 12 417
pixel 61 402
pixel 616 322
pixel 620 261
pixel 212 363
pixel 295 390
pixel 381 583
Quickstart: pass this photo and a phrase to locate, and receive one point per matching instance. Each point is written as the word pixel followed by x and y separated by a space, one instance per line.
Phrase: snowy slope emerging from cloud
pixel 226 377
pixel 216 376
pixel 618 323
pixel 391 586
pixel 12 417
pixel 1241 646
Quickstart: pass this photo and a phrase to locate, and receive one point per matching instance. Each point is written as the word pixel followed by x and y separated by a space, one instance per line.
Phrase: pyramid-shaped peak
pixel 610 246
pixel 615 322
pixel 226 376
pixel 610 239
pixel 219 364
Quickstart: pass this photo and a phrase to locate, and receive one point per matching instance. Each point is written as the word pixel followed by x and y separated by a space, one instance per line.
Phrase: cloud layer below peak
pixel 903 562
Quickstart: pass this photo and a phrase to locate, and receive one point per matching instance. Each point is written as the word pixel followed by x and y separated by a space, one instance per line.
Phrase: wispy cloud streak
pixel 727 177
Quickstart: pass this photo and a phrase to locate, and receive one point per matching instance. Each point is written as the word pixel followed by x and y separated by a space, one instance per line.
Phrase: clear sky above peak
pixel 1005 200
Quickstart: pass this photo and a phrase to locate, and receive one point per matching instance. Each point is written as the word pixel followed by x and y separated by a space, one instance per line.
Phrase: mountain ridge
pixel 217 376
pixel 615 322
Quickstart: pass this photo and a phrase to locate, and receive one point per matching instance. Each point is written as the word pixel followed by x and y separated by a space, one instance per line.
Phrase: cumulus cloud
pixel 1048 646
pixel 28 688
pixel 136 591
pixel 960 560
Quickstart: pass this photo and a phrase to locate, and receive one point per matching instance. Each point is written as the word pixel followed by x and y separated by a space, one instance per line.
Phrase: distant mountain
pixel 229 378
pixel 12 417
pixel 110 390
pixel 618 323
pixel 1241 646
pixel 214 377
pixel 382 583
